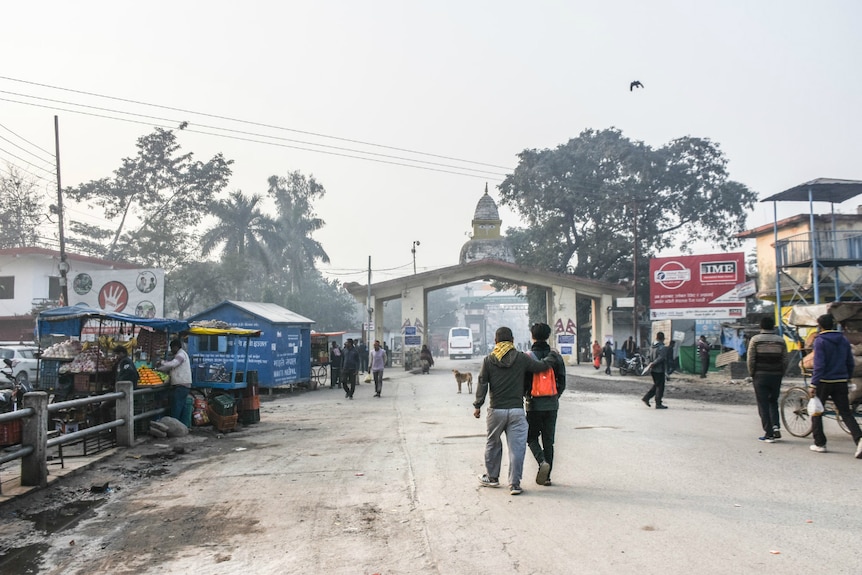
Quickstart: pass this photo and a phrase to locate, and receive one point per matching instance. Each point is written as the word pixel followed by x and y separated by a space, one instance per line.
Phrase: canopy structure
pixel 198 330
pixel 830 190
pixel 70 320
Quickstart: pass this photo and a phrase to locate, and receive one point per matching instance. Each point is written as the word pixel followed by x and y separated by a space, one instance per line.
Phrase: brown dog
pixel 464 377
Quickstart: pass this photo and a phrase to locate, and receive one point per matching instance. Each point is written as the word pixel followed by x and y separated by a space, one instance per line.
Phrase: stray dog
pixel 464 377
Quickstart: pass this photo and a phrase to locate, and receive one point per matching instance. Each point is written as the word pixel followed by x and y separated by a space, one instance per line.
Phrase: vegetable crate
pixel 222 422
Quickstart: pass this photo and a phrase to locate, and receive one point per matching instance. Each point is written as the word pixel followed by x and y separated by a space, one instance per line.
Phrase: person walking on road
pixel 608 352
pixel 542 411
pixel 378 361
pixel 349 367
pixel 597 354
pixel 767 361
pixel 629 347
pixel 833 368
pixel 334 365
pixel 363 356
pixel 502 376
pixel 703 354
pixel 656 367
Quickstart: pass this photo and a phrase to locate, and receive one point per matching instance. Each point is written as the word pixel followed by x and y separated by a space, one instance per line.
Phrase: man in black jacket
pixel 542 411
pixel 502 375
pixel 657 367
pixel 349 367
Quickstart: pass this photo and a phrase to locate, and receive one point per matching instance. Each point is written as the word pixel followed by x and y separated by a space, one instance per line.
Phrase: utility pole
pixel 64 265
pixel 635 276
pixel 368 307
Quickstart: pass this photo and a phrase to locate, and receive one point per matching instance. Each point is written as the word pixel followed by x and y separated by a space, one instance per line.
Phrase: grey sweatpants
pixel 514 423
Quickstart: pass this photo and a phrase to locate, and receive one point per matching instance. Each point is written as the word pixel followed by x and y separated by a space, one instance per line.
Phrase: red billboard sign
pixel 697 287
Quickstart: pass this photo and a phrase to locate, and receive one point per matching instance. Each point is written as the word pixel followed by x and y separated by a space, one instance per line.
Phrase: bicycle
pixel 794 412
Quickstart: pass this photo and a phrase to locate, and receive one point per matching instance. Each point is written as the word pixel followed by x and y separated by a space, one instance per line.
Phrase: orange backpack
pixel 544 382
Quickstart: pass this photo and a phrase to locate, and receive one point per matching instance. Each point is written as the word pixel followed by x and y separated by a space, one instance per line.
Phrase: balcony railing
pixel 832 249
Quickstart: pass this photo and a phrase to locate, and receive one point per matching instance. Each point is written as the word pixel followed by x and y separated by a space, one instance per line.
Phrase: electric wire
pixel 276 144
pixel 259 124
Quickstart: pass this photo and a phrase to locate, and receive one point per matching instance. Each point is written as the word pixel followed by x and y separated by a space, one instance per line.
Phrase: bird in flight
pixel 635 84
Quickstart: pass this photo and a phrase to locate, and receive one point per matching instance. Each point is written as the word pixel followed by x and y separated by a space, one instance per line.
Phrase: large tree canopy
pixel 587 200
pixel 164 189
pixel 21 209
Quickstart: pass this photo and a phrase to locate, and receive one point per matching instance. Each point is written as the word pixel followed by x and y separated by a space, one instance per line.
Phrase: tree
pixel 244 231
pixel 21 210
pixel 297 221
pixel 322 300
pixel 585 200
pixel 166 190
pixel 193 287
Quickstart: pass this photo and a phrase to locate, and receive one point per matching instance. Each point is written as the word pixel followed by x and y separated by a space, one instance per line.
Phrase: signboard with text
pixel 698 287
pixel 139 292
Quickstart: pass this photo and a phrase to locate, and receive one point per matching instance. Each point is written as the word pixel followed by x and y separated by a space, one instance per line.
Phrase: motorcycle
pixel 634 365
pixel 10 399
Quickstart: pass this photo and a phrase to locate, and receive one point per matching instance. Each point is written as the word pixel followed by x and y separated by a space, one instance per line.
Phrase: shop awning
pixel 70 320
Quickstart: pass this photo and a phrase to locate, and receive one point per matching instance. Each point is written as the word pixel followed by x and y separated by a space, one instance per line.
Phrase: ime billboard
pixel 698 287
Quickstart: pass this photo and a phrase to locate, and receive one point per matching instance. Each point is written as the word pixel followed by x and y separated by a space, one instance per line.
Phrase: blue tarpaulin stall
pixel 282 354
pixel 219 356
pixel 70 320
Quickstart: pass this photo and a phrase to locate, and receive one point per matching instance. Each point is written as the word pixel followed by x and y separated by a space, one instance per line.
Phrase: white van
pixel 460 342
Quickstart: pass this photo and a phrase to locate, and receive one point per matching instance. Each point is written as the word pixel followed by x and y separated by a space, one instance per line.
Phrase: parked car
pixel 24 362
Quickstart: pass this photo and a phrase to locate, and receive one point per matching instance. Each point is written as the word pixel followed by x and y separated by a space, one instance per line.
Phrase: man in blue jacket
pixel 833 368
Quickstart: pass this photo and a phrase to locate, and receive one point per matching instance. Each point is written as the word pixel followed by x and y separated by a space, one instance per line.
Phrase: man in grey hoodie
pixel 502 375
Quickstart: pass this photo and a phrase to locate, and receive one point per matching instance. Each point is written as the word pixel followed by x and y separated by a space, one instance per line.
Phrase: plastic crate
pixel 223 405
pixel 49 374
pixel 249 416
pixel 221 422
pixel 10 433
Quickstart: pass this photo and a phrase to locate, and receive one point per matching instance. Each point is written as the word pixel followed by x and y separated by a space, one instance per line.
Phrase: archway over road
pixel 562 292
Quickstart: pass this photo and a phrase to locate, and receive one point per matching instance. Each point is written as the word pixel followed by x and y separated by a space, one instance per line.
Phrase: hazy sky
pixel 775 83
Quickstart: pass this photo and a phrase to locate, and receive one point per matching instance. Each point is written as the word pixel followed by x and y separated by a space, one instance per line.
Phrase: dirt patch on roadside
pixel 714 388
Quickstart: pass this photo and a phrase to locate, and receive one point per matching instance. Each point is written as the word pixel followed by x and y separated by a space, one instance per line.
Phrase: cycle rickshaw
pixel 794 401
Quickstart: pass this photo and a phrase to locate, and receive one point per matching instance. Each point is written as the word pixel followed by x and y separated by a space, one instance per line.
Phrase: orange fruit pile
pixel 149 376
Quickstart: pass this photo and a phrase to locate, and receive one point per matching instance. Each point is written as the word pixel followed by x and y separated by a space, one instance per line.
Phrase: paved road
pixel 327 485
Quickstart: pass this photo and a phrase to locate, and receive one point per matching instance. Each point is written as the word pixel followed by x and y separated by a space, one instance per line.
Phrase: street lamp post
pixel 416 243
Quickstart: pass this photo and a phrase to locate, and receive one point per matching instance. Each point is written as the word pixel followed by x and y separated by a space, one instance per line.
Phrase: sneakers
pixel 486 481
pixel 515 490
pixel 544 473
pixel 766 439
pixel 646 401
pixel 859 450
pixel 776 433
pixel 817 448
pixel 661 406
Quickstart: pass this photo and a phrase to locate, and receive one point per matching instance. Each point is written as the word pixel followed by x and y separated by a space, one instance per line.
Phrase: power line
pixel 253 123
pixel 480 175
pixel 51 161
pixel 16 166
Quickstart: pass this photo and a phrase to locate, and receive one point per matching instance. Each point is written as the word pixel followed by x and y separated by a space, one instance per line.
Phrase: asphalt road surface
pixel 389 485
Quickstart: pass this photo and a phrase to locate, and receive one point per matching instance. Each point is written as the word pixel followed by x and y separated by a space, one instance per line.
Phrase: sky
pixel 404 110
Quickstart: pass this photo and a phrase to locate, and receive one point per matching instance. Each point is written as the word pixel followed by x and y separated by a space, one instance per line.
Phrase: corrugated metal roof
pixel 270 311
pixel 822 190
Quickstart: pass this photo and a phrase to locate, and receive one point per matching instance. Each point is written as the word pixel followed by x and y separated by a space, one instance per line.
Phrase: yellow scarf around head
pixel 502 348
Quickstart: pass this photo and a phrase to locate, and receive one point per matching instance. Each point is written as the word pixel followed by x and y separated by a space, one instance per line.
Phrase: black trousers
pixel 838 393
pixel 542 424
pixel 657 389
pixel 348 381
pixel 767 388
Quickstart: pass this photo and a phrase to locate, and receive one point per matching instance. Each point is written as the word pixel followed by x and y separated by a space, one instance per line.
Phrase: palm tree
pixel 243 231
pixel 296 223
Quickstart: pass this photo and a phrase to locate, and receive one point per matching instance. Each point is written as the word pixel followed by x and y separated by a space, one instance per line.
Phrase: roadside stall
pixel 320 360
pixel 81 360
pixel 224 389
